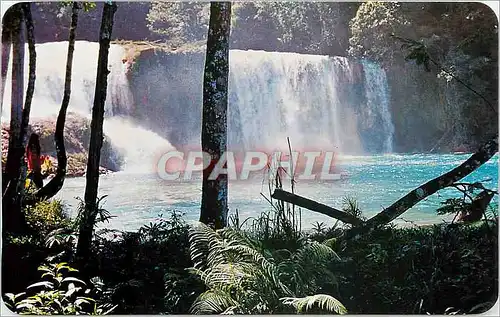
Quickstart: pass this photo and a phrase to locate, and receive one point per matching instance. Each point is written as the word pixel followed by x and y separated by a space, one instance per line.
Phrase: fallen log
pixel 312 205
pixel 390 213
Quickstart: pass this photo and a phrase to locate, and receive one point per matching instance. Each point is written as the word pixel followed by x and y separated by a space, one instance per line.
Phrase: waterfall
pixel 377 102
pixel 136 143
pixel 50 74
pixel 278 95
pixel 322 103
pixel 315 100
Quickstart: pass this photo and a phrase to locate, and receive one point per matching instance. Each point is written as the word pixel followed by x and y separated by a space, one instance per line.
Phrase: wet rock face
pixel 76 136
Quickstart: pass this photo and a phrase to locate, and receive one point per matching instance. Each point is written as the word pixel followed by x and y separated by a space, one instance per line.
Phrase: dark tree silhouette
pixel 96 134
pixel 7 24
pixel 56 183
pixel 13 180
pixel 214 121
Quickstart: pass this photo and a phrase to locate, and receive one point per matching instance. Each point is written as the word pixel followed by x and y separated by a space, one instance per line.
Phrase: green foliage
pixel 57 293
pixel 350 205
pixel 420 270
pixel 145 271
pixel 303 26
pixel 242 279
pixel 181 22
pixel 372 27
pixel 453 206
pixel 325 303
pixel 99 213
pixel 87 6
pixel 463 205
pixel 47 216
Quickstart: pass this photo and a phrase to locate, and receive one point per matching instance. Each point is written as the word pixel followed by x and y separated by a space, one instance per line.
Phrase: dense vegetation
pixel 56 264
pixel 433 269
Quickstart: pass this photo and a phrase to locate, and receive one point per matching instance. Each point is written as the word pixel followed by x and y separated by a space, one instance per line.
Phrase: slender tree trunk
pixel 17 86
pixel 6 47
pixel 214 123
pixel 56 183
pixel 29 91
pixel 11 201
pixel 485 152
pixel 96 134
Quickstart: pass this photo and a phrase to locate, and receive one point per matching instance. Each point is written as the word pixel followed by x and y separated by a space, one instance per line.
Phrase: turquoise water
pixel 375 181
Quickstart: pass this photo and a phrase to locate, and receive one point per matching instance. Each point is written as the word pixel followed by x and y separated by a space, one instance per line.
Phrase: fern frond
pixel 324 302
pixel 212 302
pixel 317 252
pixel 267 268
pixel 205 246
pixel 238 237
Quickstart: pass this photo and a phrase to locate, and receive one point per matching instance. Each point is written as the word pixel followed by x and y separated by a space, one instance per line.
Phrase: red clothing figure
pixel 34 160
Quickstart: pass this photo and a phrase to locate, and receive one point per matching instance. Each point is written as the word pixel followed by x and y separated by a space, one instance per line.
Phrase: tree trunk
pixel 14 177
pixel 56 183
pixel 214 122
pixel 29 92
pixel 7 24
pixel 33 154
pixel 96 134
pixel 17 86
pixel 412 198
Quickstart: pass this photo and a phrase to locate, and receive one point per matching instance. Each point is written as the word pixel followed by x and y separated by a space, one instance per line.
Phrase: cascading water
pixel 278 95
pixel 50 74
pixel 315 100
pixel 137 144
pixel 322 103
pixel 377 102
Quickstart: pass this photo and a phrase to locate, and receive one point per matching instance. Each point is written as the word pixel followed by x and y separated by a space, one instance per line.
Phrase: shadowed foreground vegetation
pixel 267 266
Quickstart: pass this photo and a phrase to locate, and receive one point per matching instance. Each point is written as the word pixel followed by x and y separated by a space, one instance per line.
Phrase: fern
pixel 212 301
pixel 323 302
pixel 243 279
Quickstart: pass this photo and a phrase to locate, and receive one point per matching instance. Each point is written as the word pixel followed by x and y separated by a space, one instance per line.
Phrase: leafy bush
pixel 58 294
pixel 46 216
pixel 419 270
pixel 244 280
pixel 145 271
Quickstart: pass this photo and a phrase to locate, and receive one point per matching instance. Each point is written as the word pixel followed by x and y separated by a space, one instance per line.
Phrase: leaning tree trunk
pixel 214 123
pixel 15 169
pixel 485 152
pixel 96 134
pixel 56 183
pixel 29 91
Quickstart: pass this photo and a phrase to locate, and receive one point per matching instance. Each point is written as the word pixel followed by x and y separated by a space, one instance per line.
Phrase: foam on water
pixel 136 144
pixel 139 146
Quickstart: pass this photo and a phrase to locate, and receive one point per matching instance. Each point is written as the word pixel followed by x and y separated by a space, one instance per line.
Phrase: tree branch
pixel 312 205
pixel 484 153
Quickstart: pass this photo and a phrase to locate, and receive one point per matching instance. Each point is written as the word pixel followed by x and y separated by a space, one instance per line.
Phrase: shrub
pixel 46 216
pixel 145 271
pixel 240 279
pixel 58 294
pixel 420 270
